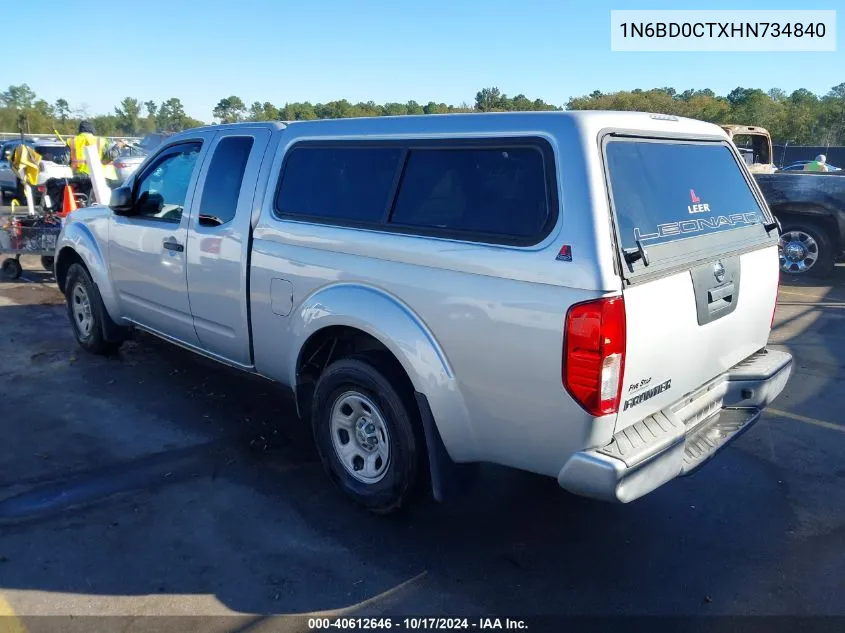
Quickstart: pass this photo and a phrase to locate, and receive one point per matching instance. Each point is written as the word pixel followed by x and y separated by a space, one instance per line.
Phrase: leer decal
pixel 695 207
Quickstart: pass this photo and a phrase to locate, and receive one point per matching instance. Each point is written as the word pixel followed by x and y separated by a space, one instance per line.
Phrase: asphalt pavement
pixel 159 483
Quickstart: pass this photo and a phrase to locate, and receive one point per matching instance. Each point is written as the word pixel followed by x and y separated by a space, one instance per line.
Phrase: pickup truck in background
pixel 556 292
pixel 810 206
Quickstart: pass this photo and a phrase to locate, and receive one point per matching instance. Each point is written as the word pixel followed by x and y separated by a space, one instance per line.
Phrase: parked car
pixel 799 166
pixel 557 292
pixel 8 180
pixel 55 163
pixel 810 207
pixel 129 159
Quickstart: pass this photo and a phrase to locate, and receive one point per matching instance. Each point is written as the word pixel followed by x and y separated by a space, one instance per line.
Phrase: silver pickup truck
pixel 583 295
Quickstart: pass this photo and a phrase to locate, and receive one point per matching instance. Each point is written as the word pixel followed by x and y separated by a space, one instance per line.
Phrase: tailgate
pixel 700 266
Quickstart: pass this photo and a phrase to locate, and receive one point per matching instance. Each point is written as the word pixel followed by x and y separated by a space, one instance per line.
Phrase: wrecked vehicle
pixel 809 205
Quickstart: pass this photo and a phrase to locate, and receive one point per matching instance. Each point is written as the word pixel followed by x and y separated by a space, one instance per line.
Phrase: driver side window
pixel 160 193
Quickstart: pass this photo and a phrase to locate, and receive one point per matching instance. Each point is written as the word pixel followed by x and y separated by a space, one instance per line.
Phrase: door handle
pixel 173 246
pixel 717 294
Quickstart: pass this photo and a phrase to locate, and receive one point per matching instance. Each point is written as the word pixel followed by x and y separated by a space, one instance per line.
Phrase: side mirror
pixel 121 201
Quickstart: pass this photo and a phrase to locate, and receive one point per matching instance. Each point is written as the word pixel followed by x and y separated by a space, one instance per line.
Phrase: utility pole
pixel 21 121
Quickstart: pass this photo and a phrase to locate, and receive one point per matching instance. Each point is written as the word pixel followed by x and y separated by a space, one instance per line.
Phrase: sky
pixel 360 50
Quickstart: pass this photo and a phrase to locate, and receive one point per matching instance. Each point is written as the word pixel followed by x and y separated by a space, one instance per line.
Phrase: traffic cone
pixel 69 202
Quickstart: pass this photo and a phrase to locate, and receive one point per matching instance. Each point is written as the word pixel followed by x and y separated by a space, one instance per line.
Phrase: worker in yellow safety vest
pixel 820 164
pixel 87 136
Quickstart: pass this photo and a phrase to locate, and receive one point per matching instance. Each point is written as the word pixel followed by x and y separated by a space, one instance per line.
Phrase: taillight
pixel 594 354
pixel 41 188
pixel 119 165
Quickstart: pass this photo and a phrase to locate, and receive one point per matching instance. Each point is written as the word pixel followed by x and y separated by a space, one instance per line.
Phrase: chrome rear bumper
pixel 681 438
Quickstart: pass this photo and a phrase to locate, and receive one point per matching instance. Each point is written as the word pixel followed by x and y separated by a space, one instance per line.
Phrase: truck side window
pixel 161 191
pixel 499 191
pixel 349 184
pixel 225 176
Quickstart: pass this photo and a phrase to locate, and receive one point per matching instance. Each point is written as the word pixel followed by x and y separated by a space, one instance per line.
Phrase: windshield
pixel 667 191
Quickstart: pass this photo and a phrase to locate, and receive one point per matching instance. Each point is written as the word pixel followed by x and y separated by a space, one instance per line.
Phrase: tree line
pixel 22 111
pixel 233 109
pixel 799 117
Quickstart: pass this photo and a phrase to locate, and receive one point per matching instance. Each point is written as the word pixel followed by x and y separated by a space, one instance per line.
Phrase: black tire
pixel 91 339
pixel 47 263
pixel 825 260
pixel 374 377
pixel 11 269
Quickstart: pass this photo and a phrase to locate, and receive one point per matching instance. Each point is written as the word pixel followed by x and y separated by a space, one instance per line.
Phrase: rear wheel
pixel 806 249
pixel 366 429
pixel 86 312
pixel 47 263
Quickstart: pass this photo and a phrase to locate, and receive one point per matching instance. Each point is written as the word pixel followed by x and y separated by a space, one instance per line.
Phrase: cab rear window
pixel 669 190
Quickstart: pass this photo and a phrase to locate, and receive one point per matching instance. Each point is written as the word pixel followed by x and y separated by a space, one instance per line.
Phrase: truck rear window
pixel 667 191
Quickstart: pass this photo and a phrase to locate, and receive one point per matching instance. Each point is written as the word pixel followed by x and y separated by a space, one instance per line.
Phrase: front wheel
pixel 86 312
pixel 806 249
pixel 366 429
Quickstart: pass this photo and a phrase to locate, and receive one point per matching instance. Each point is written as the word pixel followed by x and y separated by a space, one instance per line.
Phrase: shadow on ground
pixel 158 482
